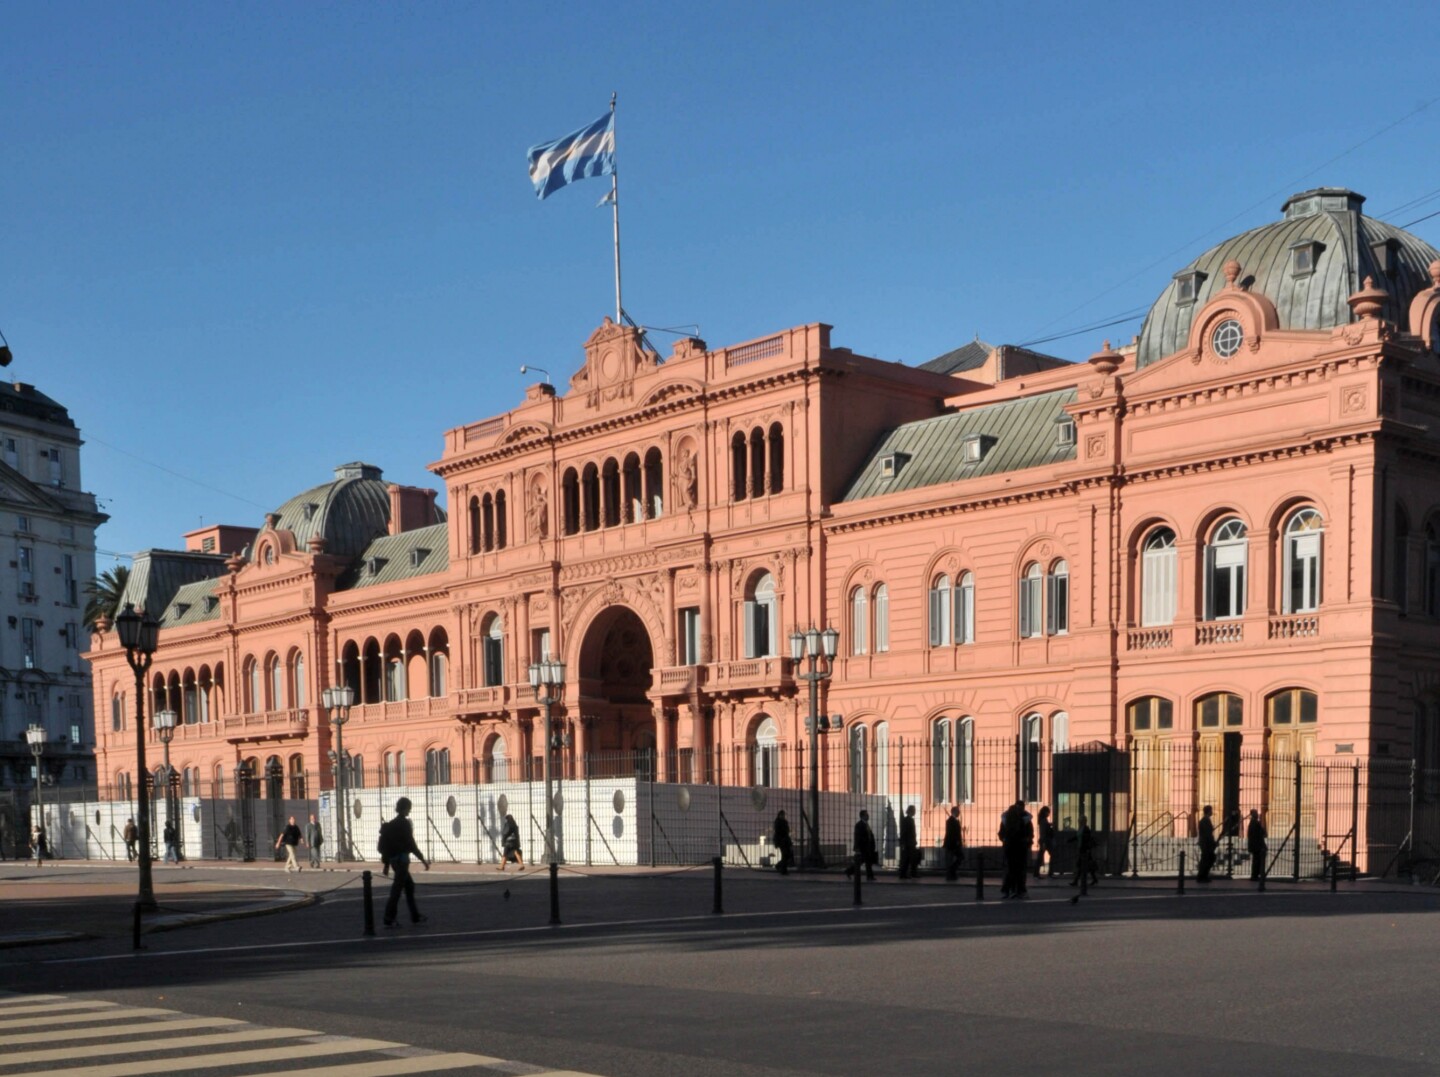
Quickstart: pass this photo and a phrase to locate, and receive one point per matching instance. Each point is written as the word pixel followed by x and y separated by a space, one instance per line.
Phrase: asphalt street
pixel 643 978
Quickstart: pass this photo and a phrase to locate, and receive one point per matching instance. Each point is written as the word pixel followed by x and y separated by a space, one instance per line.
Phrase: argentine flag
pixel 587 152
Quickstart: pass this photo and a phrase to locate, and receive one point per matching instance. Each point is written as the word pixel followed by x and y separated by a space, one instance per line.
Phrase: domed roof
pixel 348 513
pixel 1307 264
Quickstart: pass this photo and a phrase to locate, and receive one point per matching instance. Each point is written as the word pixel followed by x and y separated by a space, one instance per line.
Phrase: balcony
pixel 261 725
pixel 404 710
pixel 752 676
pixel 1295 626
pixel 1218 633
pixel 1149 639
pixel 680 680
pixel 487 702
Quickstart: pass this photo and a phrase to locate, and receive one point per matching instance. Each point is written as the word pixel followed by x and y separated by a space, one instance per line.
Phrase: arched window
pixel 941 749
pixel 475 530
pixel 610 492
pixel 570 501
pixel 1304 532
pixel 437 766
pixel 394 768
pixel 940 612
pixel 497 766
pixel 487 523
pixel 298 696
pixel 492 644
pixel 439 673
pixel 882 758
pixel 190 695
pixel 356 780
pixel 761 620
pixel 297 777
pixel 1057 599
pixel 1060 731
pixel 965 762
pixel 965 608
pixel 1291 715
pixel 1032 745
pixel 766 750
pixel 117 712
pixel 1150 715
pixel 739 467
pixel 882 618
pixel 1432 569
pixel 859 759
pixel 502 526
pixel 1226 559
pixel 395 687
pixel 276 680
pixel 590 497
pixel 1157 578
pixel 254 694
pixel 1292 708
pixel 654 485
pixel 1032 582
pixel 634 496
pixel 757 463
pixel 204 687
pixel 777 458
pixel 859 621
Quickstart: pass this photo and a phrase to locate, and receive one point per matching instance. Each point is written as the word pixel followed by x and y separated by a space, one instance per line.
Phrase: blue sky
pixel 246 243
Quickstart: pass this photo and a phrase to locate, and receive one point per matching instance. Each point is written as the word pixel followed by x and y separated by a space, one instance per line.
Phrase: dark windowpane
pixel 1309 704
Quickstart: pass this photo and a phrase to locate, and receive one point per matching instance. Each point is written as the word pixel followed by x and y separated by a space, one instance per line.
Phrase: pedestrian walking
pixel 865 852
pixel 1085 854
pixel 510 843
pixel 171 838
pixel 780 834
pixel 909 846
pixel 953 845
pixel 38 844
pixel 1046 839
pixel 1207 842
pixel 314 838
pixel 131 835
pixel 1256 845
pixel 290 837
pixel 1017 835
pixel 396 847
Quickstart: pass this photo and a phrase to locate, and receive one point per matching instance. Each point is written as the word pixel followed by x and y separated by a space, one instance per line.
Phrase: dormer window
pixel 310 509
pixel 1386 253
pixel 1303 257
pixel 181 609
pixel 1187 286
pixel 374 565
pixel 1064 430
pixel 972 449
pixel 211 602
pixel 417 556
pixel 891 463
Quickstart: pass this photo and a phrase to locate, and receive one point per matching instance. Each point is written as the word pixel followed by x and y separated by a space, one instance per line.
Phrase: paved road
pixel 641 978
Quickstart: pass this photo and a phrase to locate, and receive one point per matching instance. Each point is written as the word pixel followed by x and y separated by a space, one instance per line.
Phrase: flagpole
pixel 615 211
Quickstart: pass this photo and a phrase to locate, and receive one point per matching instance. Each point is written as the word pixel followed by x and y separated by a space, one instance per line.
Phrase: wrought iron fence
pixel 1143 803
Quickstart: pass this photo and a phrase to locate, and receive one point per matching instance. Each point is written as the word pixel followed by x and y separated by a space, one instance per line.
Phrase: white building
pixel 47 555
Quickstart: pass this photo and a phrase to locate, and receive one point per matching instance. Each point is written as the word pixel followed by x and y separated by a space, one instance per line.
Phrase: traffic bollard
pixel 136 927
pixel 719 902
pixel 554 892
pixel 368 901
pixel 1180 876
pixel 979 876
pixel 1334 872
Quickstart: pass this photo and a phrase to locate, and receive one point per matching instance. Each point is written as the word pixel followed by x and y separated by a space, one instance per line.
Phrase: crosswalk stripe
pixel 120 1013
pixel 168 1043
pixel 142 1027
pixel 59 1007
pixel 225 1058
pixel 21 1000
pixel 393 1067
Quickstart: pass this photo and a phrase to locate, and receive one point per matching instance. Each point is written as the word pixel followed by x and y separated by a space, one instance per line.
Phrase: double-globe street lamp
pixel 338 699
pixel 547 679
pixel 165 722
pixel 812 645
pixel 140 635
pixel 35 735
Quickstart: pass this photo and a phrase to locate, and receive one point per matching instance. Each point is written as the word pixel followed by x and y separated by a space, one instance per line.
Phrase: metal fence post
pixel 1134 814
pixel 1355 820
pixel 1180 875
pixel 1295 853
pixel 719 908
pixel 368 900
pixel 979 876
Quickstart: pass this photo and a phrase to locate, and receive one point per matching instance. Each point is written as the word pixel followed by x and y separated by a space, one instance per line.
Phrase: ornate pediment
pixel 613 360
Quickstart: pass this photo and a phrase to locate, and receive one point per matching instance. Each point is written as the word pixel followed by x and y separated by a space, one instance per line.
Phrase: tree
pixel 104 592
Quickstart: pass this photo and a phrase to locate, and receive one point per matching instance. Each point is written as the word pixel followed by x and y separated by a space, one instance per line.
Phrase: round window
pixel 1227 338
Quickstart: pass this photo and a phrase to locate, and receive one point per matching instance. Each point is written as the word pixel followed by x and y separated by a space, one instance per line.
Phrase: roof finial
pixel 1435 272
pixel 1369 301
pixel 1232 272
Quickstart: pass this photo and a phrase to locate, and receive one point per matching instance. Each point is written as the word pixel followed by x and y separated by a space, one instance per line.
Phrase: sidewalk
pixel 65 901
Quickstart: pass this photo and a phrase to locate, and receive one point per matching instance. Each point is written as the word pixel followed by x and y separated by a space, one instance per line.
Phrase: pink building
pixel 1218 546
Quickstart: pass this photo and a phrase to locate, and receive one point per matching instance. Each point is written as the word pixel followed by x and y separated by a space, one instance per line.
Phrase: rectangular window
pixel 207 544
pixel 72 586
pixel 57 475
pixel 494 655
pixel 688 637
pixel 965 611
pixel 882 620
pixel 26 563
pixel 940 763
pixel 72 636
pixel 22 523
pixel 1030 599
pixel 12 452
pixel 1226 585
pixel 759 629
pixel 29 643
pixel 1057 604
pixel 539 644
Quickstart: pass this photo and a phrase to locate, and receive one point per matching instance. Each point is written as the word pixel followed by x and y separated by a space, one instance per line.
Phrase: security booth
pixel 1091 780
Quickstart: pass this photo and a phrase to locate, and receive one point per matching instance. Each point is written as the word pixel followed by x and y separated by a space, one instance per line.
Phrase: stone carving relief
pixel 537 513
pixel 1095 446
pixel 1353 400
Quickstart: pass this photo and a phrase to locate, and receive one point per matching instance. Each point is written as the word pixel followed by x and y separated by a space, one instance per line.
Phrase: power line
pixel 176 474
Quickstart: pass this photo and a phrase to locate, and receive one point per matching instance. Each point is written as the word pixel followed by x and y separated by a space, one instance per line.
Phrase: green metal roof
pixel 156 576
pixel 1015 435
pixel 966 357
pixel 193 603
pixel 419 552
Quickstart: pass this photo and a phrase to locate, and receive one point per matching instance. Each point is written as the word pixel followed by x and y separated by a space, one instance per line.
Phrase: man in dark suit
pixel 954 845
pixel 397 847
pixel 865 854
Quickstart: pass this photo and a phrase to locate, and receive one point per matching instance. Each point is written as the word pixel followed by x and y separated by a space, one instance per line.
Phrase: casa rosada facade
pixel 1230 526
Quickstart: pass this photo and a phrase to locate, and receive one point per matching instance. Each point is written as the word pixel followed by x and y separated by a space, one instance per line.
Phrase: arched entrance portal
pixel 616 661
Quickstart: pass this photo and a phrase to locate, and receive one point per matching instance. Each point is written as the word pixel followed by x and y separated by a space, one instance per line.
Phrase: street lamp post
pixel 140 635
pixel 547 679
pixel 36 736
pixel 813 645
pixel 338 700
pixel 165 722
